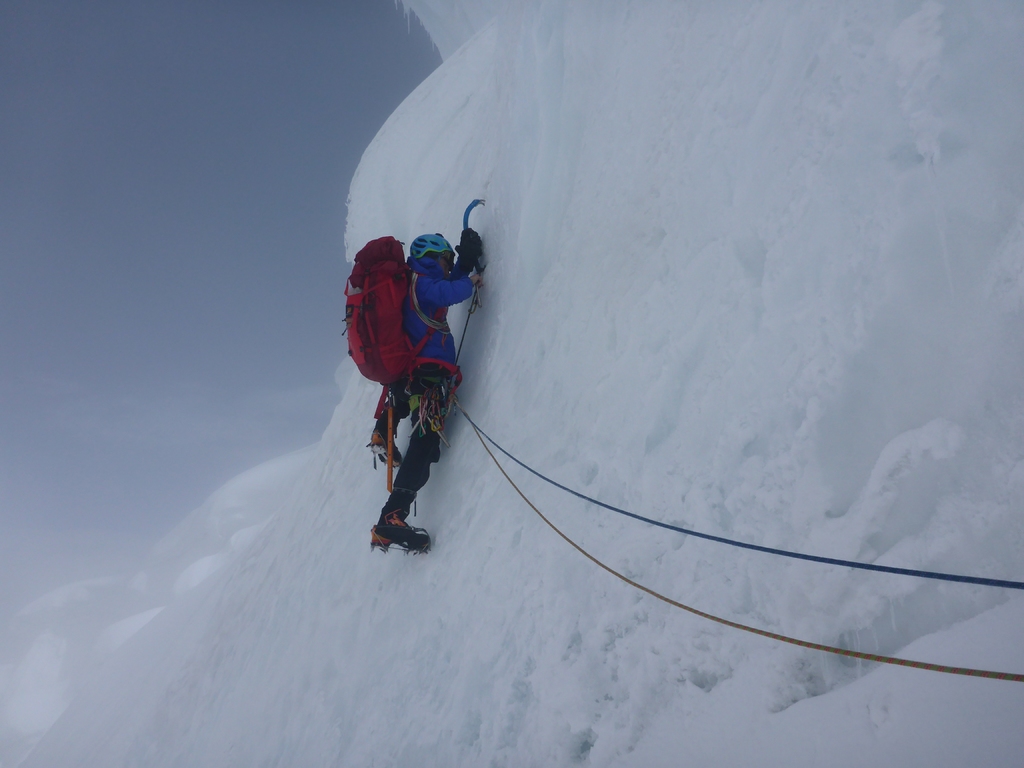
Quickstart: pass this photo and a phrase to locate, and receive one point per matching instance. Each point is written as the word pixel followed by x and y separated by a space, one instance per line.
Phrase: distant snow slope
pixel 755 268
pixel 62 640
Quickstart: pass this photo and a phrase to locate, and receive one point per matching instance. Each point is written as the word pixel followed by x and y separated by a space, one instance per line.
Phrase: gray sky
pixel 173 176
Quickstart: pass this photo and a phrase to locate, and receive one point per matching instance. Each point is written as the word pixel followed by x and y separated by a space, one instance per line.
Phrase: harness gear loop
pixel 436 403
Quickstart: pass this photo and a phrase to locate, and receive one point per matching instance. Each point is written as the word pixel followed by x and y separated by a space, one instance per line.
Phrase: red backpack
pixel 375 294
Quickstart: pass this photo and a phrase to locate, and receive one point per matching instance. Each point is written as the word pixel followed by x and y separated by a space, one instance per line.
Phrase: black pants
pixel 424 445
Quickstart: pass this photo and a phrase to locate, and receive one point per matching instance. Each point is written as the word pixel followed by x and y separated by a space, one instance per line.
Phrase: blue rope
pixel 769 550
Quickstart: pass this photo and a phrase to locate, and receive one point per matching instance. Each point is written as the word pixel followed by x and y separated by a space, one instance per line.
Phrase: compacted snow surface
pixel 755 269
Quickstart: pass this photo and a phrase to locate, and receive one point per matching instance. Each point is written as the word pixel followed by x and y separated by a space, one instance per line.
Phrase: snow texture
pixel 118 633
pixel 755 268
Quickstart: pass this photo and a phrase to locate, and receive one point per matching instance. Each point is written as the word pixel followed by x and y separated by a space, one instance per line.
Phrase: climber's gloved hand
pixel 471 251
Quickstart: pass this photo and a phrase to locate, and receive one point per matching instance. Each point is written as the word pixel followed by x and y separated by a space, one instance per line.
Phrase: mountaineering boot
pixel 402 535
pixel 392 529
pixel 378 445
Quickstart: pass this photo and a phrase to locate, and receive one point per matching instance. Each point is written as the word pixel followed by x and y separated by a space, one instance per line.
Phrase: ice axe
pixel 481 266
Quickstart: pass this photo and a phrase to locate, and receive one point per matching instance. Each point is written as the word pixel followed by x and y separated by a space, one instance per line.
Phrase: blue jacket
pixel 434 292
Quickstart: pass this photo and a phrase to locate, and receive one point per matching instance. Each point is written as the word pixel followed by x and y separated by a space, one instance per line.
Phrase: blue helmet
pixel 430 245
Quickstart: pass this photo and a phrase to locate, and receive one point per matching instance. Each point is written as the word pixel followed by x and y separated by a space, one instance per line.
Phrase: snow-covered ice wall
pixel 756 269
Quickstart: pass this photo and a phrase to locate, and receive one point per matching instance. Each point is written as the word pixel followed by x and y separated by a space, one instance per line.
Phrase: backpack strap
pixel 382 402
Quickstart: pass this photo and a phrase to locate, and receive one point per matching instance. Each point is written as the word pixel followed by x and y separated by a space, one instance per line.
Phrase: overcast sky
pixel 173 176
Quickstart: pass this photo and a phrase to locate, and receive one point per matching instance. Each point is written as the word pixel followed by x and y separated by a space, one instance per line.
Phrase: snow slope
pixel 59 642
pixel 755 268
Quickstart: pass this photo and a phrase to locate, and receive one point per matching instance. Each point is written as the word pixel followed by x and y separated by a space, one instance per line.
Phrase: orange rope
pixel 1017 678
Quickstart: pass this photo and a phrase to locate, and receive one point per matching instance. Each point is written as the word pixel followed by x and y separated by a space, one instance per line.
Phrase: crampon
pixel 411 540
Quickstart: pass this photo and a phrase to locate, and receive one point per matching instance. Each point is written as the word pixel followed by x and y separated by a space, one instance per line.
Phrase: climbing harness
pixel 966 671
pixel 982 581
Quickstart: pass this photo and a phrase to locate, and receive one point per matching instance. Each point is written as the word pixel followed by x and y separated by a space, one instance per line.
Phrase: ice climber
pixel 438 282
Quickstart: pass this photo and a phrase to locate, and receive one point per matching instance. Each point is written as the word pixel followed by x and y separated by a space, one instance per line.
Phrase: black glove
pixel 471 251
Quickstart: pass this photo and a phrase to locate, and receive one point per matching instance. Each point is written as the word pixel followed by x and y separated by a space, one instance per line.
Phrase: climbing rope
pixel 473 307
pixel 966 671
pixel 983 581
